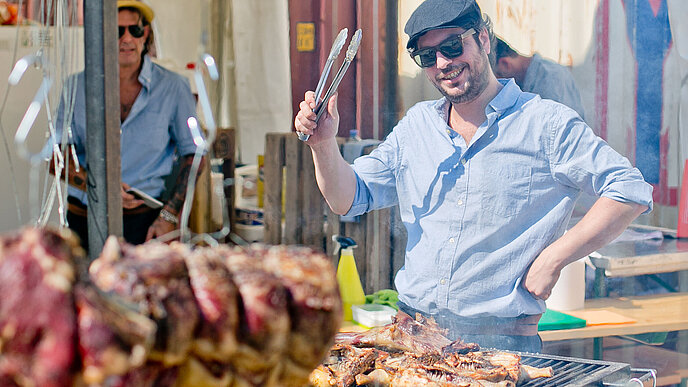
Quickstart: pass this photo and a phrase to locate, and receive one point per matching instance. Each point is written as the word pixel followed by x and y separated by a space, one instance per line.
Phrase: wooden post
pixel 224 148
pixel 102 121
pixel 272 169
pixel 293 195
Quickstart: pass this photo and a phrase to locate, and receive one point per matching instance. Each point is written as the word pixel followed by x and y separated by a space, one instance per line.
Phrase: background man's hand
pixel 128 200
pixel 159 228
pixel 327 126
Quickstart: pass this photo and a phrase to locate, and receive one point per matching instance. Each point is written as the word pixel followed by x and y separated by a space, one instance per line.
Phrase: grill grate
pixel 569 371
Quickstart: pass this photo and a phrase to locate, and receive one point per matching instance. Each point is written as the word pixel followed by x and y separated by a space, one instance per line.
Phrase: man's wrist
pixel 168 217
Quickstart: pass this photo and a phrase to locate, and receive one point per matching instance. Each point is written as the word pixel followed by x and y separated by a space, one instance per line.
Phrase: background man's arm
pixel 173 206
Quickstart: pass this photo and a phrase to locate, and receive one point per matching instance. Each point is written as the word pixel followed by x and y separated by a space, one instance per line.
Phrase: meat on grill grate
pixel 411 352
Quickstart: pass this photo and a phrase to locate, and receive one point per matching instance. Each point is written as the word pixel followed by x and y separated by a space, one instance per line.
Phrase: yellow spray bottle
pixel 348 279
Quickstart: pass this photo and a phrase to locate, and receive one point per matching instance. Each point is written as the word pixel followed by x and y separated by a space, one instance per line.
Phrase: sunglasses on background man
pixel 135 30
pixel 451 47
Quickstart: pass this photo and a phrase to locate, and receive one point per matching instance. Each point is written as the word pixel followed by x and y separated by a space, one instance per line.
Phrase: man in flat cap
pixel 155 105
pixel 485 178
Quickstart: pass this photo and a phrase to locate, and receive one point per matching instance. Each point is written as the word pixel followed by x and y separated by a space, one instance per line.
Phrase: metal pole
pixel 102 123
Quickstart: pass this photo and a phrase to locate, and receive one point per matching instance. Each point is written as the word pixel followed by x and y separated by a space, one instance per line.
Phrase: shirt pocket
pixel 505 189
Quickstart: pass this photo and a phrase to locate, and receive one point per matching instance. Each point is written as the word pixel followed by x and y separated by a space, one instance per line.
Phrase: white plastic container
pixel 372 315
pixel 569 291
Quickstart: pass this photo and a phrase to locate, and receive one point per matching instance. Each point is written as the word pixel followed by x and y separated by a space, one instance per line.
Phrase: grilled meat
pixel 415 352
pixel 113 339
pixel 154 277
pixel 218 300
pixel 403 334
pixel 164 315
pixel 315 309
pixel 37 316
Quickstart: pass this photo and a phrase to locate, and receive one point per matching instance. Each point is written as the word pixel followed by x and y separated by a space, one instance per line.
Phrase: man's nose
pixel 442 61
pixel 126 35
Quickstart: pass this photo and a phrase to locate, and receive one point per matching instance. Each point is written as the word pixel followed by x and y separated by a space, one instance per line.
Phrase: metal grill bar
pixel 570 371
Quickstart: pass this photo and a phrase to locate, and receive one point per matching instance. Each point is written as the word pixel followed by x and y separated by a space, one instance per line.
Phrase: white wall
pixel 260 30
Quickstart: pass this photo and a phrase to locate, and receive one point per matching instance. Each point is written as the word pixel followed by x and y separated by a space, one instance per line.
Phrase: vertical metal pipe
pixel 102 123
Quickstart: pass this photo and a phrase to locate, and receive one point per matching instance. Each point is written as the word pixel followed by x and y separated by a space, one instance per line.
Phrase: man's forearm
pixel 174 204
pixel 605 221
pixel 334 175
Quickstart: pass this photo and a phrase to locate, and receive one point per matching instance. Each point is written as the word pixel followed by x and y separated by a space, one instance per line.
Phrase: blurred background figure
pixel 538 75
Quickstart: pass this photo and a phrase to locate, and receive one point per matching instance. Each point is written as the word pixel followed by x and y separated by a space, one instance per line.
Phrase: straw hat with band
pixel 146 11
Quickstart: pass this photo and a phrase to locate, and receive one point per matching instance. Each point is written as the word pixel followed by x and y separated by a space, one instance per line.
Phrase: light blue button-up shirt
pixel 155 127
pixel 477 215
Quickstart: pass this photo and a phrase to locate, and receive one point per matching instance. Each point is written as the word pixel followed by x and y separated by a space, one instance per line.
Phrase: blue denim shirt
pixel 478 215
pixel 153 130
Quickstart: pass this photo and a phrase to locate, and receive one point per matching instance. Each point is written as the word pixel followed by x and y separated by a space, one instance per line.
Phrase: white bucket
pixel 569 291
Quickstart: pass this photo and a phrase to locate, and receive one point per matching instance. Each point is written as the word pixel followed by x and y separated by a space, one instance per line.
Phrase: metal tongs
pixel 321 103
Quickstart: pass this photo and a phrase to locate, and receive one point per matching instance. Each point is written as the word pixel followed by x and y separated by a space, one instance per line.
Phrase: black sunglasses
pixel 451 48
pixel 135 30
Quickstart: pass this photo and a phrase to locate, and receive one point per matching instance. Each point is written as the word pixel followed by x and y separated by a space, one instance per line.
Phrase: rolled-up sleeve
pixel 375 178
pixel 581 159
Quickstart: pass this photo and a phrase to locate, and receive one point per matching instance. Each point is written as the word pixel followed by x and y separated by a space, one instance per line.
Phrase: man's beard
pixel 476 83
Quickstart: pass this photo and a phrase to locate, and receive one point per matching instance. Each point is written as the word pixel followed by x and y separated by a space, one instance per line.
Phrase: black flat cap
pixel 434 14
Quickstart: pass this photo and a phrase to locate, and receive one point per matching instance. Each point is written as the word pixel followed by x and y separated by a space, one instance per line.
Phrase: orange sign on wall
pixel 305 37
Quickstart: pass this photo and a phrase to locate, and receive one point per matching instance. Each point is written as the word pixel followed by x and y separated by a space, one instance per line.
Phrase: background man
pixel 486 179
pixel 155 104
pixel 537 75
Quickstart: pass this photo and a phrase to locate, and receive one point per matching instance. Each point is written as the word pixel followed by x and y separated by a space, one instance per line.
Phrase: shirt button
pixel 443 281
pixel 460 202
pixel 451 240
pixel 463 161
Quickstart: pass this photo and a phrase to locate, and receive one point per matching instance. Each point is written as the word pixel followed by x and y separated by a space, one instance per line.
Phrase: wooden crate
pixel 305 218
pixel 288 169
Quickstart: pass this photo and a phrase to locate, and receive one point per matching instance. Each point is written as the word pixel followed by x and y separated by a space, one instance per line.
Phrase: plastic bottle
pixel 350 287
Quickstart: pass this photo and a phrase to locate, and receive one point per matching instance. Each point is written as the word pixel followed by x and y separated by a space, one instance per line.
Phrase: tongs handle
pixel 322 105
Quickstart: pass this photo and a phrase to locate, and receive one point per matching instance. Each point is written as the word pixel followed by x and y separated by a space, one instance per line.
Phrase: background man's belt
pixel 75 206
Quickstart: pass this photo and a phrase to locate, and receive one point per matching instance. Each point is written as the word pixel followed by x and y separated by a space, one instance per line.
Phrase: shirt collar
pixel 146 72
pixel 504 100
